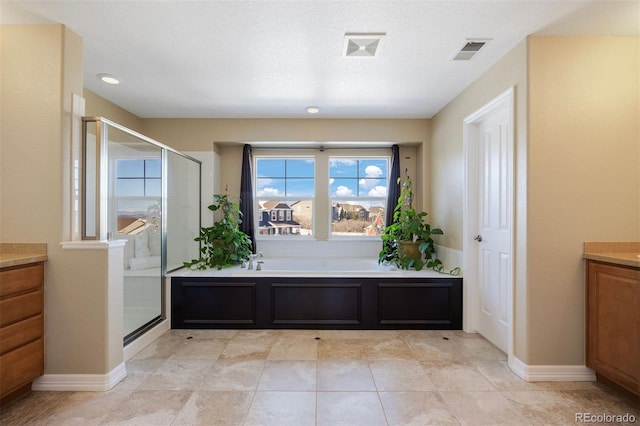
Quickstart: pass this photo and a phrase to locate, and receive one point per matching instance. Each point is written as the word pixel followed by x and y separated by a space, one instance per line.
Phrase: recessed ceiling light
pixel 108 78
pixel 313 109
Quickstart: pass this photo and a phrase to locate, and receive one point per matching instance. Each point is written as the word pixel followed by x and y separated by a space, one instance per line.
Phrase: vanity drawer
pixel 21 366
pixel 20 333
pixel 21 279
pixel 20 307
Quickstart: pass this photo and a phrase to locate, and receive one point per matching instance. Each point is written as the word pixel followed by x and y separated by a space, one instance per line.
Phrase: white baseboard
pixel 551 373
pixel 80 382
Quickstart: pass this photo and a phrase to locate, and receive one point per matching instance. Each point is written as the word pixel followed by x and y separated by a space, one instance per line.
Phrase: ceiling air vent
pixel 361 44
pixel 470 49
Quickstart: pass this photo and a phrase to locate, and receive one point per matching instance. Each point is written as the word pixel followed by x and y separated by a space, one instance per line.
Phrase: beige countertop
pixel 620 253
pixel 17 254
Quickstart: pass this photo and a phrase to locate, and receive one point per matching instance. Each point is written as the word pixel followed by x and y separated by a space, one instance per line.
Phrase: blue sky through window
pixel 280 177
pixel 349 177
pixel 139 178
pixel 358 177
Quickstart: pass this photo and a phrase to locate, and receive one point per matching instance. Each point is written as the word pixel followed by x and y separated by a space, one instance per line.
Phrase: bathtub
pixel 306 267
pixel 316 293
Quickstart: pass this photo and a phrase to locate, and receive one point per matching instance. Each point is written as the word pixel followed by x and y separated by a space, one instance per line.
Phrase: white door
pixel 493 224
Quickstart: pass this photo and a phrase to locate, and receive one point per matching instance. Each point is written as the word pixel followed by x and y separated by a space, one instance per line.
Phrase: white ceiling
pixel 271 59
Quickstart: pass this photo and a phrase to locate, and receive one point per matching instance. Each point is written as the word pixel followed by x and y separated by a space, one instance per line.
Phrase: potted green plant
pixel 222 244
pixel 407 242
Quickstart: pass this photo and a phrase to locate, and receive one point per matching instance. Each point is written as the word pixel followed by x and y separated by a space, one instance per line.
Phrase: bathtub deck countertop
pixel 620 253
pixel 17 254
pixel 376 271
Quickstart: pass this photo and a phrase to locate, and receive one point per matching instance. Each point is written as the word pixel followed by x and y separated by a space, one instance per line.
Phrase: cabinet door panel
pixel 614 329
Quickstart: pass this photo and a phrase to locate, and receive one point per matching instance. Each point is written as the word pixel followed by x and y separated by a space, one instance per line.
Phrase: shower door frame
pixel 100 190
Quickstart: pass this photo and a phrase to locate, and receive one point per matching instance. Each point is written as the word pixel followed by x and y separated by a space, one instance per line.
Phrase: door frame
pixel 470 209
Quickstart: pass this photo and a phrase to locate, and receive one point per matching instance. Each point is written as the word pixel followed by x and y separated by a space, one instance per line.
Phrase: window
pixel 356 190
pixel 138 192
pixel 138 178
pixel 285 191
pixel 358 195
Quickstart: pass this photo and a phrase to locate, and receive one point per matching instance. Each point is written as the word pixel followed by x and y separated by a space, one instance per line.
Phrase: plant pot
pixel 409 250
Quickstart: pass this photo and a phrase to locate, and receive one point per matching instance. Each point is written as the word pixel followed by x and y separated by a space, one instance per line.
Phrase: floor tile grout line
pixel 451 410
pixel 255 391
pixel 246 415
pixel 373 377
pixel 384 412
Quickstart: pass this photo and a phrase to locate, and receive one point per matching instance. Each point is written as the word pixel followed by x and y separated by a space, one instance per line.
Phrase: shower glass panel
pixel 137 190
pixel 135 215
pixel 183 210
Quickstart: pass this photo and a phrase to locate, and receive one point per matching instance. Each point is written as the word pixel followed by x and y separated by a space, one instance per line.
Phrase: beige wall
pixel 198 134
pixel 447 169
pixel 36 86
pixel 584 169
pixel 577 136
pixel 31 94
pixel 97 106
pixel 226 137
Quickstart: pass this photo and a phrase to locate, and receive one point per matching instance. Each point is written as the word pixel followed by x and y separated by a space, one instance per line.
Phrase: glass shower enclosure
pixel 145 193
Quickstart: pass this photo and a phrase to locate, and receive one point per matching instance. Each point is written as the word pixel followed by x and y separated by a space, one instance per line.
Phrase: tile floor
pixel 310 377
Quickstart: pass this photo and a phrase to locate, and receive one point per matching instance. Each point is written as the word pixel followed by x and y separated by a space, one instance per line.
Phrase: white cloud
pixel 369 183
pixel 331 180
pixel 373 171
pixel 343 161
pixel 378 191
pixel 343 191
pixel 268 191
pixel 263 181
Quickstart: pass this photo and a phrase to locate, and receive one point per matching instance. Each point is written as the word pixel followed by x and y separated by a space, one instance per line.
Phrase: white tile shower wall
pixel 319 249
pixel 207 183
pixel 450 258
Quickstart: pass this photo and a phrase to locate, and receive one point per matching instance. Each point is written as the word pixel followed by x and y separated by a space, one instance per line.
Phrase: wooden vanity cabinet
pixel 613 324
pixel 21 329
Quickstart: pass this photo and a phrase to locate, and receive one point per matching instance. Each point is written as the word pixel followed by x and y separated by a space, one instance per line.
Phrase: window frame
pixel 355 199
pixel 321 198
pixel 144 178
pixel 144 199
pixel 277 215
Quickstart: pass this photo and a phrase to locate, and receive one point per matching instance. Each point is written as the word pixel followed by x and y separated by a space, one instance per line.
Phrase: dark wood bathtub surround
pixel 316 303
